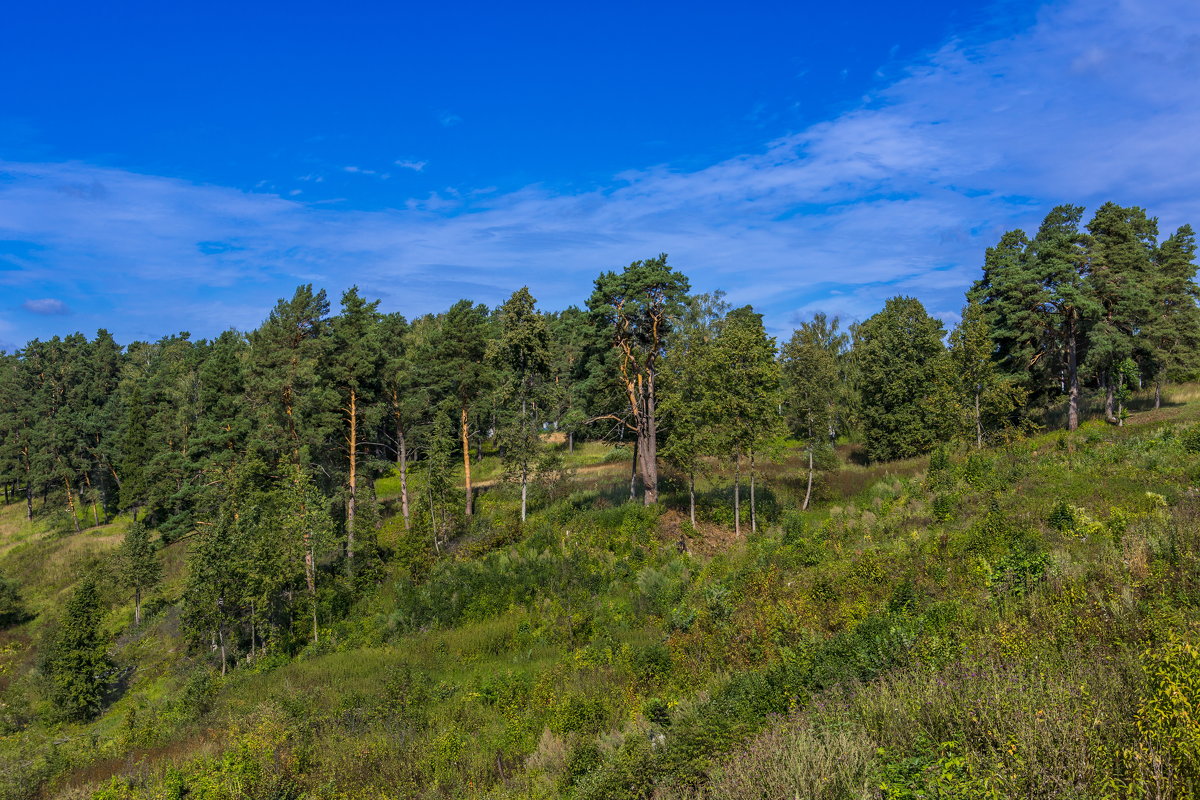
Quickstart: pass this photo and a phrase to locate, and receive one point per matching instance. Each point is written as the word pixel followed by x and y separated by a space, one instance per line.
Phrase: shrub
pixel 651 663
pixel 943 506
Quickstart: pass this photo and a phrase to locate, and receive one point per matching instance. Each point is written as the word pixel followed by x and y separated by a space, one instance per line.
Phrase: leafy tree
pixel 639 307
pixel 139 567
pixel 218 574
pixel 814 379
pixel 690 404
pixel 76 662
pixel 989 398
pixel 899 351
pixel 750 396
pixel 305 528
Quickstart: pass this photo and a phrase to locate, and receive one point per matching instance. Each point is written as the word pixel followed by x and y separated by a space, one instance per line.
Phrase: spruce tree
pixel 76 663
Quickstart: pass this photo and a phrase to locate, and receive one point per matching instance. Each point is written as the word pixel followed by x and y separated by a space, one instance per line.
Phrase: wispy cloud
pixel 415 166
pixel 448 119
pixel 1094 101
pixel 47 306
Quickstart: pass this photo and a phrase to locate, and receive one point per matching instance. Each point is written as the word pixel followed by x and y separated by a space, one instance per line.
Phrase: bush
pixel 651 663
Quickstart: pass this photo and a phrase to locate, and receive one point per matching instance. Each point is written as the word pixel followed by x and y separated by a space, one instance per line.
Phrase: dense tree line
pixel 264 447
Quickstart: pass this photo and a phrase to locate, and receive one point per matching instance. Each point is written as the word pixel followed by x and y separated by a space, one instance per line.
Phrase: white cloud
pixel 1095 101
pixel 47 306
pixel 415 166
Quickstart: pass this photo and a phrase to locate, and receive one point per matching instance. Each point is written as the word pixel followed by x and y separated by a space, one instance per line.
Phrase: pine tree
pixel 521 351
pixel 1119 282
pixel 1171 334
pixel 293 403
pixel 575 343
pixel 139 567
pixel 355 361
pixel 455 359
pixel 76 662
pixel 639 306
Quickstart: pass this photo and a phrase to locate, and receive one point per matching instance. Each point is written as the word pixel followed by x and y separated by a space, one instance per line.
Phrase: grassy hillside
pixel 1016 622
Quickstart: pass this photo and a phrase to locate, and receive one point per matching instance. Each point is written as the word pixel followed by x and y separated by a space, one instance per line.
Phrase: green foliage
pixel 13 610
pixel 75 659
pixel 899 354
pixel 138 564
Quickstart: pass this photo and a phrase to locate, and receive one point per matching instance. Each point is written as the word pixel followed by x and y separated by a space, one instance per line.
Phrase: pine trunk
pixel 1072 378
pixel 352 500
pixel 808 490
pixel 137 605
pixel 310 578
pixel 71 504
pixel 570 441
pixel 1109 414
pixel 648 450
pixel 1157 395
pixel 633 468
pixel 466 450
pixel 95 509
pixel 28 502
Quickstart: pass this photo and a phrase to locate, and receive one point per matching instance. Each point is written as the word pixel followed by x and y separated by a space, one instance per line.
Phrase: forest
pixel 633 549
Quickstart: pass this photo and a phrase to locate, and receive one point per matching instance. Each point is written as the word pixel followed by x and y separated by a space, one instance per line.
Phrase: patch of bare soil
pixel 705 539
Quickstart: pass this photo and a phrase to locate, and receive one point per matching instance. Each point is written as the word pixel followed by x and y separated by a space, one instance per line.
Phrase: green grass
pixel 913 635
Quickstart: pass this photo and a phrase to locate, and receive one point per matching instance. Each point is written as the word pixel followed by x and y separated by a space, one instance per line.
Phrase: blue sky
pixel 169 167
